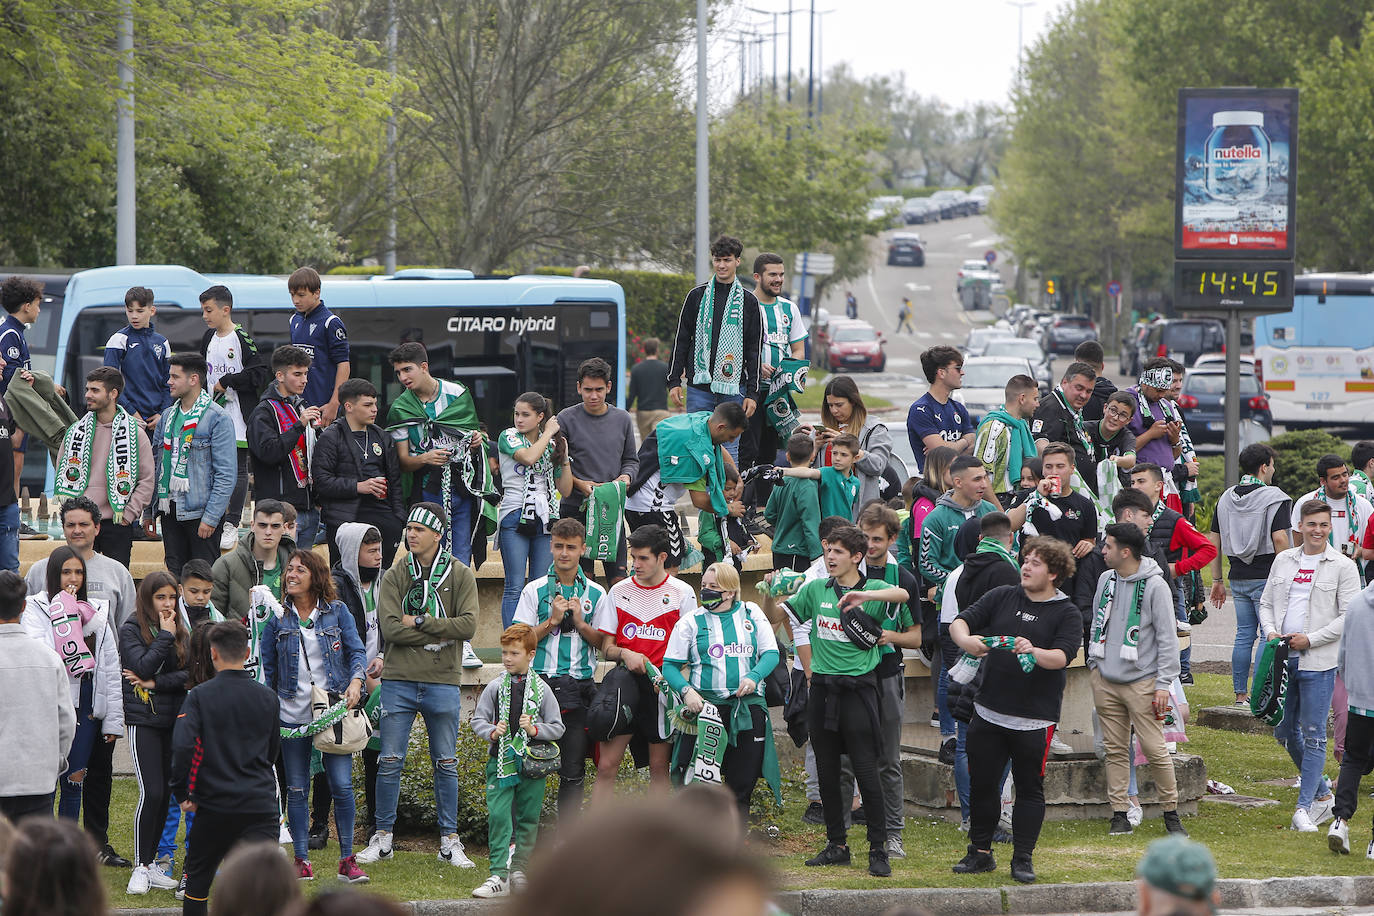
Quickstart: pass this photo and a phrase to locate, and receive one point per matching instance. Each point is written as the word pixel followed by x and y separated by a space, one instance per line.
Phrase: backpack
pixel 611 712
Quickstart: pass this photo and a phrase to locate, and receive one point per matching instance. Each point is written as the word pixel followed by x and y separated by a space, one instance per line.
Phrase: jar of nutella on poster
pixel 1237 157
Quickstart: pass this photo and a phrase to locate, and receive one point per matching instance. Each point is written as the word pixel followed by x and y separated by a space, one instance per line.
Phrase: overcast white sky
pixel 960 51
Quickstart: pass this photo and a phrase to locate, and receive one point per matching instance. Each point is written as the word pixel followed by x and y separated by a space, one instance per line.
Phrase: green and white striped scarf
pixel 1130 639
pixel 605 510
pixel 510 747
pixel 728 349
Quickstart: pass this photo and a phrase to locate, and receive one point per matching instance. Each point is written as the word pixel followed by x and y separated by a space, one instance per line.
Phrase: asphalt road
pixel 940 319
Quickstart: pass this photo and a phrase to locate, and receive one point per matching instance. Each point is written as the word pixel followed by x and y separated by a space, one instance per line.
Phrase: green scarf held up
pixel 510 747
pixel 1130 638
pixel 121 465
pixel 788 379
pixel 605 510
pixel 728 350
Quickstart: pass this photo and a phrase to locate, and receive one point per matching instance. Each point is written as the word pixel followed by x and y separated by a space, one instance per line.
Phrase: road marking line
pixel 963 235
pixel 878 303
pixel 924 334
pixel 947 335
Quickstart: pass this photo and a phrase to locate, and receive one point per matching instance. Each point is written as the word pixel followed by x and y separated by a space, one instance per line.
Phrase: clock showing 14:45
pixel 1238 285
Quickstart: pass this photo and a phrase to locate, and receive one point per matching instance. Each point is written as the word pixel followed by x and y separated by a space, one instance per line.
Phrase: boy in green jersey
pixel 842 711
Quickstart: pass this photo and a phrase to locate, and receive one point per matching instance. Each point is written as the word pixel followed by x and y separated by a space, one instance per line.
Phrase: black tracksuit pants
pixel 989 748
pixel 213 834
pixel 1356 763
pixel 857 737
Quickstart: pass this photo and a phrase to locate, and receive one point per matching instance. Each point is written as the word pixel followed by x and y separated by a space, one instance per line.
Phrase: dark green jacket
pixel 794 511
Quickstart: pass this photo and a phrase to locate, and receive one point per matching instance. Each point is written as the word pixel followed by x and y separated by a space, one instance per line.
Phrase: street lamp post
pixel 126 219
pixel 703 163
pixel 1020 22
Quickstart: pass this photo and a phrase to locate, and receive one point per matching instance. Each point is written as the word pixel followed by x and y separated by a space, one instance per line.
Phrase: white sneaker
pixel 229 538
pixel 1171 747
pixel 379 847
pixel 1369 853
pixel 1059 747
pixel 451 851
pixel 470 659
pixel 1338 837
pixel 159 880
pixel 138 881
pixel 517 881
pixel 1302 821
pixel 1183 627
pixel 1322 809
pixel 495 886
pixel 1135 814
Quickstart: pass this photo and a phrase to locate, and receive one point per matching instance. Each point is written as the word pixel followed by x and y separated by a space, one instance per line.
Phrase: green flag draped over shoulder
pixel 686 454
pixel 789 379
pixel 454 422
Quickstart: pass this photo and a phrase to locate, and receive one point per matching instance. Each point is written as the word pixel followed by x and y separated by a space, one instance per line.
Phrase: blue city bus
pixel 500 336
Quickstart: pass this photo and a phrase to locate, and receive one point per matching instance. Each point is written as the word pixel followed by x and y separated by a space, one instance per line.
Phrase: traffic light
pixel 1049 287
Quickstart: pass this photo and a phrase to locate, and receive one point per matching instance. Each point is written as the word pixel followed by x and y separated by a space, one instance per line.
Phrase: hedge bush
pixel 1295 468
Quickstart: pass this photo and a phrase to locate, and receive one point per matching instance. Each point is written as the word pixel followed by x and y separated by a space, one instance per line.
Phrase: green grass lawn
pixel 1247 843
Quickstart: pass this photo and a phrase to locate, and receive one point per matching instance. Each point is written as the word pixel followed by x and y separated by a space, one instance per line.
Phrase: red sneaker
pixel 304 870
pixel 350 872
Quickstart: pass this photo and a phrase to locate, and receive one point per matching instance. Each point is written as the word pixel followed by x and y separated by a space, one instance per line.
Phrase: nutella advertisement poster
pixel 1237 152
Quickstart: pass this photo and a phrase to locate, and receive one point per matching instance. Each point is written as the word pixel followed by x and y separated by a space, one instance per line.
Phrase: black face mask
pixel 711 598
pixel 367 574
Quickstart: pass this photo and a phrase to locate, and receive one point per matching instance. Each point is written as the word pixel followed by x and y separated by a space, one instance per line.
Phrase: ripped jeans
pixel 439 706
pixel 1303 729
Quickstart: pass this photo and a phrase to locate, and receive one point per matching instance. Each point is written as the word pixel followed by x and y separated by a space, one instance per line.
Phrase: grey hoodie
pixel 1243 521
pixel 350 540
pixel 1157 648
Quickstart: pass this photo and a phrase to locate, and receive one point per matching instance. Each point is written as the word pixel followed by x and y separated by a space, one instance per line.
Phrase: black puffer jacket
pixel 336 469
pixel 155 661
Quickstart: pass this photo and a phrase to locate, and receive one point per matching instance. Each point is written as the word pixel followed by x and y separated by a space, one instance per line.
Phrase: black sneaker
pixel 974 862
pixel 832 854
pixel 878 866
pixel 1001 835
pixel 947 749
pixel 1186 678
pixel 180 892
pixel 858 815
pixel 815 814
pixel 28 534
pixel 111 859
pixel 751 524
pixel 1121 825
pixel 1021 868
pixel 1173 824
pixel 318 840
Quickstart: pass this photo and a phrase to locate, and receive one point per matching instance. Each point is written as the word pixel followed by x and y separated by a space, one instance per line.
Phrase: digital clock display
pixel 1255 285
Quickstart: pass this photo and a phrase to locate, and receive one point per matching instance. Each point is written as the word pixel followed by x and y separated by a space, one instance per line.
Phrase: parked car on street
pixel 1183 339
pixel 952 203
pixel 1029 350
pixel 979 338
pixel 920 210
pixel 855 345
pixel 1066 332
pixel 906 248
pixel 1204 404
pixel 985 382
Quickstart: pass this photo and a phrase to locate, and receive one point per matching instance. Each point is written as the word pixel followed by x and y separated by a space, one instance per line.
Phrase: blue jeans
pixel 946 654
pixel 707 400
pixel 167 846
pixel 519 552
pixel 459 522
pixel 1245 653
pixel 9 537
pixel 87 734
pixel 439 705
pixel 307 528
pixel 1303 729
pixel 338 769
pixel 961 780
pixel 1185 656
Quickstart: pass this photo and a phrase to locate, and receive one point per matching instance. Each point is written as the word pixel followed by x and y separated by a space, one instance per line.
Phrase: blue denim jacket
pixel 344 655
pixel 212 469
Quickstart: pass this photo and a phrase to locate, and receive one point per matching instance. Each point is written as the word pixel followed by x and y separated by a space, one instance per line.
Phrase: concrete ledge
pixel 1269 894
pixel 1233 719
pixel 1074 788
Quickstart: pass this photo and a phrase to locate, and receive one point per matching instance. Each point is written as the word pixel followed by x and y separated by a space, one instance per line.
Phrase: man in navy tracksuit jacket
pixel 321 333
pixel 142 355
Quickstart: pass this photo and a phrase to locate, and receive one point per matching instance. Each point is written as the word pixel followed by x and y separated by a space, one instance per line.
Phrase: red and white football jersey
pixel 640 617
